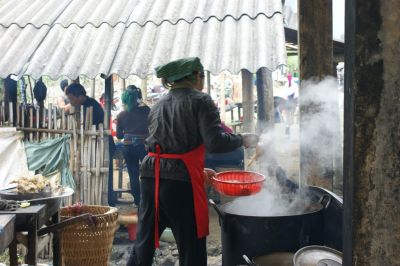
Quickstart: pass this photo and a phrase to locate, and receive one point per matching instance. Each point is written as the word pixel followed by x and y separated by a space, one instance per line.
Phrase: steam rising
pixel 321 133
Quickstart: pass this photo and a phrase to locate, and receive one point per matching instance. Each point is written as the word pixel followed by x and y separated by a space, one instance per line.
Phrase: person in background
pixel 132 127
pixel 62 101
pixel 76 95
pixel 10 96
pixel 40 93
pixel 183 124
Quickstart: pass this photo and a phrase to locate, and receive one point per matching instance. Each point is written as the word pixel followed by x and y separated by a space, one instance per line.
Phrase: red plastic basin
pixel 238 183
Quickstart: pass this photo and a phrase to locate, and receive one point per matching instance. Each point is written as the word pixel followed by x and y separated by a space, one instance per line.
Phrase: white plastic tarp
pixel 13 160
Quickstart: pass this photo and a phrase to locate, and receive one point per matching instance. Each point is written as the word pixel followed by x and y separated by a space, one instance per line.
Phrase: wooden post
pixel 10 114
pixel 123 84
pixel 74 122
pixel 49 119
pixel 107 159
pixel 93 161
pixel 208 82
pixel 248 108
pixel 222 106
pixel 81 153
pixel 23 106
pixel 31 122
pixel 372 162
pixel 265 100
pixel 315 54
pixel 143 87
pixel 108 101
pixel 30 89
pixel 248 101
pixel 93 93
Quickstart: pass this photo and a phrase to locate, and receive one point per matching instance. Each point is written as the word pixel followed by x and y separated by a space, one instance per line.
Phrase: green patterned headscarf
pixel 131 97
pixel 179 69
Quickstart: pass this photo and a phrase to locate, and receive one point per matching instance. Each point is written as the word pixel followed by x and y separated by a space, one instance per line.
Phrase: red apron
pixel 194 162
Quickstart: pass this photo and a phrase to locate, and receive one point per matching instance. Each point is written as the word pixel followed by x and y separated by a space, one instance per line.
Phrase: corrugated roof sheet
pixel 125 37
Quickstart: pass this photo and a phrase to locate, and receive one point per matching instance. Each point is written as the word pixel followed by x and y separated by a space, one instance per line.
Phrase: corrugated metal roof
pixel 125 37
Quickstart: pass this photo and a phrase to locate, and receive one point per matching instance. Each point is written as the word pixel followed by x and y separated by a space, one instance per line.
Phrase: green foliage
pixel 293 63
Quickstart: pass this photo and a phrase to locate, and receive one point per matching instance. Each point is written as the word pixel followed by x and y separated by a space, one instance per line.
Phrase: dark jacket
pixel 98 113
pixel 179 122
pixel 133 122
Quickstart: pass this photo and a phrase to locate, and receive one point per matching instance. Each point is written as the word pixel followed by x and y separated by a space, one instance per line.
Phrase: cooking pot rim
pixel 223 207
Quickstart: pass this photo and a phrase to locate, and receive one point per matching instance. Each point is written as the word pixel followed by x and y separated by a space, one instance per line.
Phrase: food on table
pixel 32 184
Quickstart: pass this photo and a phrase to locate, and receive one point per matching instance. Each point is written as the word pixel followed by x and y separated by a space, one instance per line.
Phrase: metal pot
pixel 254 235
pixel 317 256
pixel 275 258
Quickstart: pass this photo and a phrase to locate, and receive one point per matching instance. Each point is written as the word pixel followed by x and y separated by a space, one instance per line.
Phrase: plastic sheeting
pixel 51 156
pixel 13 160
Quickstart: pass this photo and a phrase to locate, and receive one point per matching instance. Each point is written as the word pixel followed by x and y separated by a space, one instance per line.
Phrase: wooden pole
pixel 49 119
pixel 81 155
pixel 75 153
pixel 265 100
pixel 248 101
pixel 143 87
pixel 39 135
pixel 315 55
pixel 93 163
pixel 93 93
pixel 103 161
pixel 31 122
pixel 105 146
pixel 372 150
pixel 208 82
pixel 248 109
pixel 123 84
pixel 11 114
pixel 31 89
pixel 222 105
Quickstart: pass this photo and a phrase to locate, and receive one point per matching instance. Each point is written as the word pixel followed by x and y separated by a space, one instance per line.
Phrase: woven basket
pixel 87 244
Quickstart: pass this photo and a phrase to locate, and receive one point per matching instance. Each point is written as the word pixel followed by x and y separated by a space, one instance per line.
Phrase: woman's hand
pixel 208 175
pixel 250 140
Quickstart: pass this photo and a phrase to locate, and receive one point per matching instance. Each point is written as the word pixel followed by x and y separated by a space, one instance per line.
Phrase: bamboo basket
pixel 86 243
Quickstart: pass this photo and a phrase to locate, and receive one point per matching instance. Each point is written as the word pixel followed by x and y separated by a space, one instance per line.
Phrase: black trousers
pixel 176 212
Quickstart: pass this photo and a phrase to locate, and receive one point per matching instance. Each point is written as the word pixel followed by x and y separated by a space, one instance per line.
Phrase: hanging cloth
pixel 50 156
pixel 13 162
pixel 194 162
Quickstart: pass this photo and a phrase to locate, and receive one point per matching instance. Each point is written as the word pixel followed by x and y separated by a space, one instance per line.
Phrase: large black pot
pixel 256 235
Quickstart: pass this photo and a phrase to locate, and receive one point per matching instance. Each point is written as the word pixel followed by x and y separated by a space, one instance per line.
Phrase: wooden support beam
pixel 372 161
pixel 316 51
pixel 265 100
pixel 248 101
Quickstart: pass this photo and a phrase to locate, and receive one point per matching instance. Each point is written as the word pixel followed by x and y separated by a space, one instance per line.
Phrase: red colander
pixel 238 183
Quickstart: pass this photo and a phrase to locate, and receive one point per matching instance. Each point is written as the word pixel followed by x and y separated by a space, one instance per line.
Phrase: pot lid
pixel 317 256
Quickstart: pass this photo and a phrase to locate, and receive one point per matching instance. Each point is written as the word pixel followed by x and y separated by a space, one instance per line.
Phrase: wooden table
pixel 7 227
pixel 30 220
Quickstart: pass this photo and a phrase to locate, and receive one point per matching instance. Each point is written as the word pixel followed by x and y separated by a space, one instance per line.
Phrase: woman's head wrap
pixel 131 97
pixel 179 69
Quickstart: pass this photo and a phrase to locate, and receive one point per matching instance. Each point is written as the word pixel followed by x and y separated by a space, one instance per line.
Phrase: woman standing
pixel 132 127
pixel 182 125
